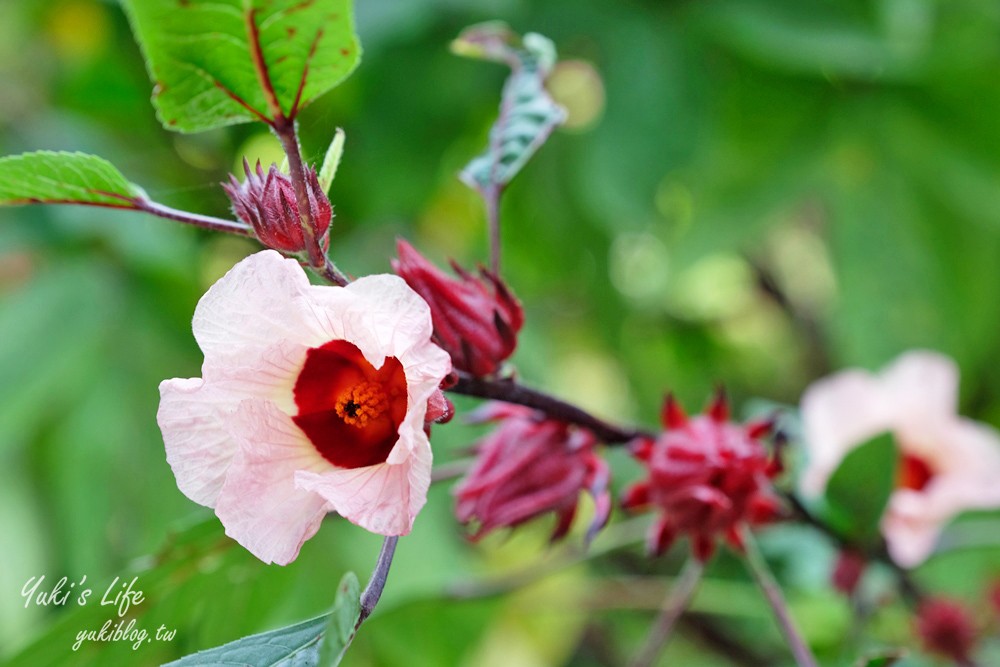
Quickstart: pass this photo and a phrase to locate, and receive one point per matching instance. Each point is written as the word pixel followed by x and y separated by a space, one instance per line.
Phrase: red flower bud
pixel 476 319
pixel 707 476
pixel 528 466
pixel 848 570
pixel 267 203
pixel 945 627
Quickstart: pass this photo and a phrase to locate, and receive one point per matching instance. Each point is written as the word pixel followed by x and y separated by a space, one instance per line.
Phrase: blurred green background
pixel 753 192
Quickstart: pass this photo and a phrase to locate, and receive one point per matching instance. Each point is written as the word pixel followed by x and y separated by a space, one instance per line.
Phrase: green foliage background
pixel 844 156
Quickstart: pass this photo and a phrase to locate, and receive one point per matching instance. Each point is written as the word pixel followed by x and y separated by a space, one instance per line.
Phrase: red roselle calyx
pixel 848 570
pixel 528 466
pixel 267 203
pixel 476 319
pixel 946 628
pixel 707 475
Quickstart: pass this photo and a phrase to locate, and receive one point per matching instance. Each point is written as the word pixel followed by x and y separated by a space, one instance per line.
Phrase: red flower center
pixel 913 473
pixel 350 410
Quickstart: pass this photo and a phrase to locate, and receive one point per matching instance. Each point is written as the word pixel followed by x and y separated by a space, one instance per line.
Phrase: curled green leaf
pixel 528 115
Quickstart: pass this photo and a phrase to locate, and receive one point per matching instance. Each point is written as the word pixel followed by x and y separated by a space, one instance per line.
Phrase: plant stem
pixel 203 221
pixel 511 392
pixel 772 591
pixel 673 606
pixel 373 591
pixel 285 130
pixel 491 195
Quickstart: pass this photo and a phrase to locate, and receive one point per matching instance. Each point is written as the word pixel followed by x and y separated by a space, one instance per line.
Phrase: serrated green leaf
pixel 343 621
pixel 527 112
pixel 47 177
pixel 293 646
pixel 220 62
pixel 859 489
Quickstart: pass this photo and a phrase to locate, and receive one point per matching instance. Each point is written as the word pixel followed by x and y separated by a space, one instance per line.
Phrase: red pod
pixel 848 570
pixel 476 318
pixel 708 476
pixel 267 203
pixel 945 627
pixel 529 466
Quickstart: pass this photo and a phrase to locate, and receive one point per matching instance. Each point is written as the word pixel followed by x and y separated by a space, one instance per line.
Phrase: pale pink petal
pixel 384 317
pixel 967 470
pixel 921 393
pixel 256 304
pixel 384 498
pixel 911 526
pixel 271 374
pixel 260 504
pixel 970 451
pixel 839 413
pixel 199 448
pixel 387 318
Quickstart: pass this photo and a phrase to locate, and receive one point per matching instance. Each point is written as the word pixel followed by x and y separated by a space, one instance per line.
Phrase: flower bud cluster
pixel 267 202
pixel 476 319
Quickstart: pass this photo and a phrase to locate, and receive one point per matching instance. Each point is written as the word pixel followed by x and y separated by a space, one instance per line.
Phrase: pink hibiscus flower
pixel 313 400
pixel 947 463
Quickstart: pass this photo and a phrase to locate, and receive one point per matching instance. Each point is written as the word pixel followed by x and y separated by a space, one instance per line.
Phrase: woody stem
pixel 510 392
pixel 373 591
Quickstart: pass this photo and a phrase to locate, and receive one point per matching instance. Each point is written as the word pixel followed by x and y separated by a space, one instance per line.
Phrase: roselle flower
pixel 267 203
pixel 476 319
pixel 946 628
pixel 947 463
pixel 312 400
pixel 530 465
pixel 707 475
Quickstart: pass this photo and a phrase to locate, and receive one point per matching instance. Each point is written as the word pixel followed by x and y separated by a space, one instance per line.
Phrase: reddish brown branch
pixel 511 392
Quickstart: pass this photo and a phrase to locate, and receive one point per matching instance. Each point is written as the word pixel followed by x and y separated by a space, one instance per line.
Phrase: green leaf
pixel 47 177
pixel 880 659
pixel 220 62
pixel 294 646
pixel 343 621
pixel 300 645
pixel 859 489
pixel 527 113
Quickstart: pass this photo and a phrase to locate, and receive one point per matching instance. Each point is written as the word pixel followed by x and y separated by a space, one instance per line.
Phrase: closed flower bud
pixel 707 475
pixel 848 570
pixel 947 629
pixel 267 203
pixel 476 319
pixel 528 466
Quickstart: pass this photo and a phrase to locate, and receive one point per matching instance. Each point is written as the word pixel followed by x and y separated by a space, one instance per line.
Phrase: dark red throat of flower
pixel 350 410
pixel 913 473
